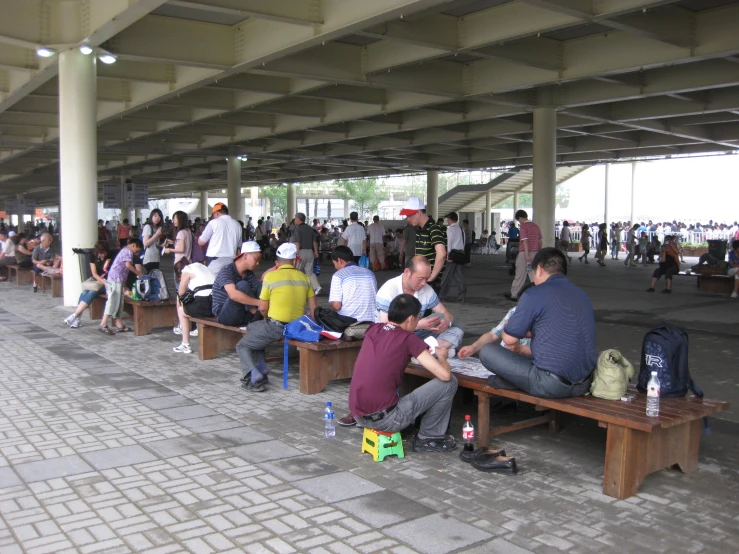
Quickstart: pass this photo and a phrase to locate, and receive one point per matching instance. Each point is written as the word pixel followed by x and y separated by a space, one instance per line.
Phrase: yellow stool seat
pixel 381 444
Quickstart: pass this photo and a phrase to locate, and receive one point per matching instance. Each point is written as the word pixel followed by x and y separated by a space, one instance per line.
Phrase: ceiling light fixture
pixel 106 57
pixel 243 158
pixel 86 49
pixel 45 52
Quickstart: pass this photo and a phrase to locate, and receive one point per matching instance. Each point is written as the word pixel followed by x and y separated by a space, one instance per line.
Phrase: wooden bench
pixel 636 445
pixel 23 276
pixel 53 283
pixel 320 362
pixel 147 314
pixel 718 283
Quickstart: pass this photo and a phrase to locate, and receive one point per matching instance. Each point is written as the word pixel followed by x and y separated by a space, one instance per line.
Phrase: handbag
pixel 356 331
pixel 333 320
pixel 457 256
pixel 189 295
pixel 364 261
pixel 302 329
pixel 92 284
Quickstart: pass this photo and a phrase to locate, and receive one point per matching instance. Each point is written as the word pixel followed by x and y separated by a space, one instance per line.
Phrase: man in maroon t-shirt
pixel 378 372
pixel 529 243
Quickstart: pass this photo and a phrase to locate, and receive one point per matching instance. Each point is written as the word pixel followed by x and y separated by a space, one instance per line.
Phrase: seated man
pixel 194 276
pixel 378 373
pixel 413 281
pixel 236 288
pixel 42 258
pixel 285 292
pixel 559 316
pixel 353 288
pixel 669 264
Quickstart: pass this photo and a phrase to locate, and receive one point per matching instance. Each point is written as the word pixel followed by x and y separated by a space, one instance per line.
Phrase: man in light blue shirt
pixel 353 288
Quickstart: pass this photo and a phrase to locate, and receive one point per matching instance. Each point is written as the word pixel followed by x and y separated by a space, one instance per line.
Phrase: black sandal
pixel 106 330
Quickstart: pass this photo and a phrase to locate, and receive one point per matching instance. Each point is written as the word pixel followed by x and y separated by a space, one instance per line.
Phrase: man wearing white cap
pixel 7 250
pixel 236 288
pixel 430 238
pixel 285 292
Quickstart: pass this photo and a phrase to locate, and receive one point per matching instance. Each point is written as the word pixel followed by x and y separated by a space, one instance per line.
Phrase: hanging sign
pixel 112 196
pixel 137 196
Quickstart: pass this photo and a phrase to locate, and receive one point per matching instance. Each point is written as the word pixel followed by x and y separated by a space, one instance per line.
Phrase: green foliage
pixel 562 199
pixel 277 196
pixel 364 194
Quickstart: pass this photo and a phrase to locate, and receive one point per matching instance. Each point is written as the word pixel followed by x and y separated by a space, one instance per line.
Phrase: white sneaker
pixel 69 320
pixel 77 323
pixel 734 294
pixel 194 333
pixel 183 349
pixel 177 330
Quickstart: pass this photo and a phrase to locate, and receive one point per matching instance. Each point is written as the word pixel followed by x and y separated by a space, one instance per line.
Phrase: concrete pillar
pixel 255 204
pixel 432 193
pixel 516 197
pixel 235 201
pixel 346 208
pixel 138 215
pixel 124 200
pixel 488 209
pixel 633 197
pixel 545 152
pixel 267 207
pixel 606 218
pixel 204 208
pixel 307 210
pixel 78 162
pixel 291 208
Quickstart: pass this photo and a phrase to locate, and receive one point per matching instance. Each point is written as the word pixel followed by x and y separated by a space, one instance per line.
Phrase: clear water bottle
pixel 468 434
pixel 329 423
pixel 653 396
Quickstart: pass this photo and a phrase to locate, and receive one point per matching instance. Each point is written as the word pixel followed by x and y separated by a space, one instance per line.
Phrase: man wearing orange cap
pixel 223 236
pixel 430 238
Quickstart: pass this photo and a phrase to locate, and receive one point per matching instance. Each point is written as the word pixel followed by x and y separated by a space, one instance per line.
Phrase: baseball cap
pixel 217 207
pixel 11 234
pixel 412 206
pixel 248 248
pixel 287 251
pixel 342 253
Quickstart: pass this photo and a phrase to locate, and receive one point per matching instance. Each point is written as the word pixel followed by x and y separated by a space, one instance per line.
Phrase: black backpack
pixel 665 350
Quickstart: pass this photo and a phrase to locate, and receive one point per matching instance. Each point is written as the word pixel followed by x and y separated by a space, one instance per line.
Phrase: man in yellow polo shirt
pixel 285 292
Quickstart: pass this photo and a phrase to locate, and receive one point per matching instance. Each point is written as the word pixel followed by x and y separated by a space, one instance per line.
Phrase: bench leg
pixel 57 288
pixel 483 419
pixel 97 308
pixel 626 455
pixel 313 372
pixel 212 340
pixel 147 318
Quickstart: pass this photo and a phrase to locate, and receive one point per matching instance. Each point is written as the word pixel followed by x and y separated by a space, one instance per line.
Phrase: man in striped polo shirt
pixel 430 238
pixel 529 243
pixel 353 288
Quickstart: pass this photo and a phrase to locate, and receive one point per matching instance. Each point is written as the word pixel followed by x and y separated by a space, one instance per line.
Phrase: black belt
pixel 277 321
pixel 379 416
pixel 567 381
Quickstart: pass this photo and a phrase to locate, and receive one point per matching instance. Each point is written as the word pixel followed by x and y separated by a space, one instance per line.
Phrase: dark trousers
pixel 151 265
pixel 235 314
pixel 467 252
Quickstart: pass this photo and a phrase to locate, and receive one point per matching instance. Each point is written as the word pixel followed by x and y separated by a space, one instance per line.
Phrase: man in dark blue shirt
pixel 236 288
pixel 560 320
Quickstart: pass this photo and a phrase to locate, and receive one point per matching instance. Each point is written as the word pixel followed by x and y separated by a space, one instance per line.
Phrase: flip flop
pixel 123 329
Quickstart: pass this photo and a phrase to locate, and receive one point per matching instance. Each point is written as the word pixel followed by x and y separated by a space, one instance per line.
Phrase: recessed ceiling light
pixel 86 49
pixel 45 52
pixel 107 58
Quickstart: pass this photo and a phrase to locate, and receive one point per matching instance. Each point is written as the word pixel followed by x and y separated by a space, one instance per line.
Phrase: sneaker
pixel 650 289
pixel 35 288
pixel 183 349
pixel 253 387
pixel 734 294
pixel 347 421
pixel 194 333
pixel 177 330
pixel 438 444
pixel 76 324
pixel 69 320
pixel 667 291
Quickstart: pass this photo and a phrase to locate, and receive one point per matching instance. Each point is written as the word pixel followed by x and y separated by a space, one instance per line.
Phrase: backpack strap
pixel 695 389
pixel 284 363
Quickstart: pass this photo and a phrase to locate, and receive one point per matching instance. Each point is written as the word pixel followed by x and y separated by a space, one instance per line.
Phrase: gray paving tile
pixel 299 467
pixel 384 508
pixel 498 546
pixel 102 370
pixel 150 392
pixel 187 412
pixel 119 457
pixel 8 478
pixel 180 446
pixel 264 451
pixel 52 468
pixel 163 402
pixel 210 424
pixel 337 486
pixel 237 436
pixel 437 534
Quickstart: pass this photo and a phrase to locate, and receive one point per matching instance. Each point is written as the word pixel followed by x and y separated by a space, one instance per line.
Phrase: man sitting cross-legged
pixel 236 288
pixel 378 373
pixel 353 288
pixel 285 292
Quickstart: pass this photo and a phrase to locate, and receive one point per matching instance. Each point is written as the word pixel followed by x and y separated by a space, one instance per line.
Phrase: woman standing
pixel 585 241
pixel 150 236
pixel 183 238
pixel 615 240
pixel 602 244
pixel 564 239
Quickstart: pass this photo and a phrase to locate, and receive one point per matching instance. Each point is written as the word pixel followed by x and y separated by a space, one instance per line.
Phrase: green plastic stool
pixel 381 444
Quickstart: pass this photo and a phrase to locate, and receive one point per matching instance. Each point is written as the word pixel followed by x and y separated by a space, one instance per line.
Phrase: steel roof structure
pixel 320 89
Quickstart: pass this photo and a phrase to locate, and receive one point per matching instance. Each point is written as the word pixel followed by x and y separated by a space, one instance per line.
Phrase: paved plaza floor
pixel 117 444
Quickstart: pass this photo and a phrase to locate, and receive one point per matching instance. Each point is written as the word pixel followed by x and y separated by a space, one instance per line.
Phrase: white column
pixel 204 208
pixel 606 217
pixel 633 197
pixel 545 152
pixel 137 215
pixel 254 202
pixel 516 196
pixel 233 176
pixel 488 209
pixel 432 193
pixel 124 199
pixel 290 202
pixel 346 208
pixel 77 162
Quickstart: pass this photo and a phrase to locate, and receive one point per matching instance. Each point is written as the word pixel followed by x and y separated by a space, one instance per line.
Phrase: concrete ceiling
pixel 323 89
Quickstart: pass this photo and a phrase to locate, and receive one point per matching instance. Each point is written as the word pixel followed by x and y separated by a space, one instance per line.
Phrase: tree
pixel 366 195
pixel 277 196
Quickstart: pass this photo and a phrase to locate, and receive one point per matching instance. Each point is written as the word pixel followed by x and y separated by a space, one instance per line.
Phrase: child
pixel 643 246
pixel 117 275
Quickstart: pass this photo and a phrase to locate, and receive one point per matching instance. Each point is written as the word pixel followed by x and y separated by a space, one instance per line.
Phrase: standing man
pixel 456 259
pixel 307 244
pixel 408 246
pixel 223 236
pixel 430 239
pixel 285 292
pixel 469 239
pixel 376 231
pixel 355 237
pixel 236 288
pixel 529 244
pixel 353 288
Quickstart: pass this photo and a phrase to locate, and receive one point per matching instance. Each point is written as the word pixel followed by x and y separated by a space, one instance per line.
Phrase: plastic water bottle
pixel 329 424
pixel 468 434
pixel 653 396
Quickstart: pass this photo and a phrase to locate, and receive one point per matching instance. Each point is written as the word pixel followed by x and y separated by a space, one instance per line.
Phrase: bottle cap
pixel 467 418
pixel 654 373
pixel 328 403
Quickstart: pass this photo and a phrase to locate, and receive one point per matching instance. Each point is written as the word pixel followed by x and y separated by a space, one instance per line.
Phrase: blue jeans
pixel 235 314
pixel 87 296
pixel 453 335
pixel 520 372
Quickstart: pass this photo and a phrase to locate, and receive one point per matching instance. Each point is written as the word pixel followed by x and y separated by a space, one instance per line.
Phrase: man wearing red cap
pixel 223 237
pixel 430 238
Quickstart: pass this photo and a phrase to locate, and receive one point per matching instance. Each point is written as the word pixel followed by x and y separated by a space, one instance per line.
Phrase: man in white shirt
pixel 7 251
pixel 355 237
pixel 353 288
pixel 223 237
pixel 455 260
pixel 376 231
